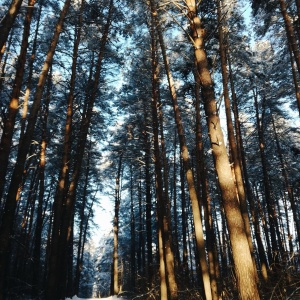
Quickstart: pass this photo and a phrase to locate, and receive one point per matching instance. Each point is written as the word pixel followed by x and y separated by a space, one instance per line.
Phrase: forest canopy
pixel 175 121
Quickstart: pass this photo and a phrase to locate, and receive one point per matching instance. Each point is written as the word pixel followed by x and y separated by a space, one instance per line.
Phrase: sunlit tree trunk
pixel 66 156
pixel 203 189
pixel 64 210
pixel 249 191
pixel 116 229
pixel 10 205
pixel 187 165
pixel 245 272
pixel 7 23
pixel 30 71
pixel 8 130
pixel 230 131
pixel 290 33
pixel 162 269
pixel 163 207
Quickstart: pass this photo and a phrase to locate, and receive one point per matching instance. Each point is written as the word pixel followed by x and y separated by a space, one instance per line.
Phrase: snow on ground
pixel 109 298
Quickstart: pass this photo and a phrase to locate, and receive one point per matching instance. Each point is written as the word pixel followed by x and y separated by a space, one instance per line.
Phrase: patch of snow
pixel 109 298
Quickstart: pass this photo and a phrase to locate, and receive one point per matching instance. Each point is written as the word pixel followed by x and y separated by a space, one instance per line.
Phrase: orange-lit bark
pixel 115 269
pixel 64 210
pixel 7 23
pixel 231 137
pixel 163 207
pixel 290 33
pixel 245 273
pixel 10 205
pixel 203 189
pixel 187 164
pixel 6 139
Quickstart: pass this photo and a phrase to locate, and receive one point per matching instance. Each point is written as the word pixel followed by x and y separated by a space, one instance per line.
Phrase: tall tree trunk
pixel 4 64
pixel 184 225
pixel 78 268
pixel 21 254
pixel 244 270
pixel 63 217
pixel 175 205
pixel 186 163
pixel 290 33
pixel 290 239
pixel 10 205
pixel 148 204
pixel 162 268
pixel 295 79
pixel 8 130
pixel 116 229
pixel 231 137
pixel 63 179
pixel 39 218
pixel 132 234
pixel 140 236
pixel 249 191
pixel 7 23
pixel 30 71
pixel 267 188
pixel 286 181
pixel 203 189
pixel 163 213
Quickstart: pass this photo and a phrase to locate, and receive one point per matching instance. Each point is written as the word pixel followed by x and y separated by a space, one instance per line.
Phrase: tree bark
pixel 286 181
pixel 273 224
pixel 163 207
pixel 245 273
pixel 30 71
pixel 231 137
pixel 132 235
pixel 203 189
pixel 116 229
pixel 295 79
pixel 63 179
pixel 249 191
pixel 184 226
pixel 148 204
pixel 175 206
pixel 8 130
pixel 10 205
pixel 186 163
pixel 63 217
pixel 39 218
pixel 290 33
pixel 7 23
pixel 78 268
